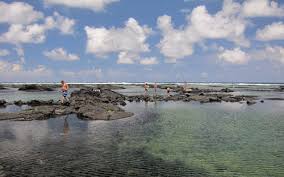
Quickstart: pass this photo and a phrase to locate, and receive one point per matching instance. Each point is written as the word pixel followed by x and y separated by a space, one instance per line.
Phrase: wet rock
pixel 275 99
pixel 102 111
pixel 280 89
pixel 39 102
pixel 226 90
pixel 110 86
pixel 19 103
pixel 251 102
pixel 34 87
pixel 94 104
pixel 122 103
pixel 214 99
pixel 37 113
pixel 2 87
pixel 2 103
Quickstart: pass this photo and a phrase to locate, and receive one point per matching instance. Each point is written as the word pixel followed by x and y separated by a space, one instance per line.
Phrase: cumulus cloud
pixel 175 43
pixel 61 54
pixel 18 13
pixel 20 52
pixel 16 72
pixel 18 33
pixel 275 31
pixel 260 8
pixel 227 24
pixel 234 56
pixel 271 53
pixel 95 5
pixel 95 73
pixel 127 57
pixel 128 41
pixel 275 53
pixel 149 61
pixel 63 24
pixel 4 52
pixel 36 33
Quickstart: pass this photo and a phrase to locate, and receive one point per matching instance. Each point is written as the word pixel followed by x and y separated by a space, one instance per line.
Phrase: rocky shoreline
pixel 88 104
pixel 106 104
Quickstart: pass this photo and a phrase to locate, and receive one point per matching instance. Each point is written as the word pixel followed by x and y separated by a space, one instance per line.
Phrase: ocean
pixel 161 139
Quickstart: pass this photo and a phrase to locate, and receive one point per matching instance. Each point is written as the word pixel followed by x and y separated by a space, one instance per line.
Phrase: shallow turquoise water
pixel 162 139
pixel 228 139
pixel 12 94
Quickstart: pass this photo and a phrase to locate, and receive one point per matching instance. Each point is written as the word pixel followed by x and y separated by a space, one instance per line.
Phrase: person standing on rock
pixel 64 89
pixel 168 91
pixel 155 88
pixel 146 87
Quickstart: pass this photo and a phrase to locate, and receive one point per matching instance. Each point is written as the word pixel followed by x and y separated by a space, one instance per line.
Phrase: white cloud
pixel 18 33
pixel 88 74
pixel 175 43
pixel 61 54
pixel 275 53
pixel 36 33
pixel 4 52
pixel 149 61
pixel 260 8
pixel 127 57
pixel 128 41
pixel 63 24
pixel 18 13
pixel 275 31
pixel 20 52
pixel 234 56
pixel 14 72
pixel 226 24
pixel 95 5
pixel 272 53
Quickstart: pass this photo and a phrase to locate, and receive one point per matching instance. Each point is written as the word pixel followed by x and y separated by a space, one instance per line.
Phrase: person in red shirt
pixel 64 89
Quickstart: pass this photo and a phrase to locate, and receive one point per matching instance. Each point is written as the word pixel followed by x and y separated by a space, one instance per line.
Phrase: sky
pixel 142 41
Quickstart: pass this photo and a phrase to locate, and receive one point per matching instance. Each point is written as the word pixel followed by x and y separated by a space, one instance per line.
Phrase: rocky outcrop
pixel 2 103
pixel 2 87
pixel 226 90
pixel 200 97
pixel 34 87
pixel 94 104
pixel 280 89
pixel 37 113
pixel 88 104
pixel 98 104
pixel 109 86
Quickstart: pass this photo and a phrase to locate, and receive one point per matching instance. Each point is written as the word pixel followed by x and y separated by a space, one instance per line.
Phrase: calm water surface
pixel 162 139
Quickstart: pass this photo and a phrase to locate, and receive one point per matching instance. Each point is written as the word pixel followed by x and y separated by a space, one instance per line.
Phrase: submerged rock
pixel 227 90
pixel 34 87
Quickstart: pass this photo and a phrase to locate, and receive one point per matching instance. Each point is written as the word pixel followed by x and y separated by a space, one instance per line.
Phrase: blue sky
pixel 137 41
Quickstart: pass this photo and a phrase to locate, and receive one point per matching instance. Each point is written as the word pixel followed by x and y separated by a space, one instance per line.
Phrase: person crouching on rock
pixel 64 89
